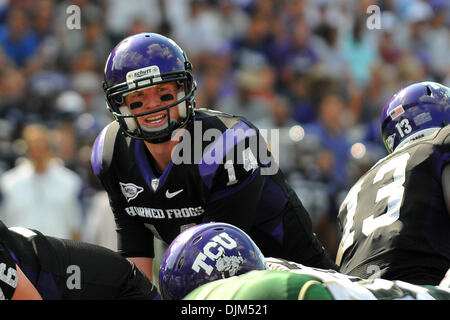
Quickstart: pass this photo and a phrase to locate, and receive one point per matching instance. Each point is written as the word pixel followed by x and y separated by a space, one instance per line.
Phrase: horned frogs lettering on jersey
pixel 395 223
pixel 212 186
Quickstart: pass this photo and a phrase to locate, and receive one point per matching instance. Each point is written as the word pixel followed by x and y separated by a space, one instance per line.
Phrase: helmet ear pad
pixel 187 104
pixel 130 121
pixel 182 106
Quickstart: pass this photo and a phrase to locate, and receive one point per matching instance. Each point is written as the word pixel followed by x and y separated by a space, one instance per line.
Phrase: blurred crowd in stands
pixel 314 69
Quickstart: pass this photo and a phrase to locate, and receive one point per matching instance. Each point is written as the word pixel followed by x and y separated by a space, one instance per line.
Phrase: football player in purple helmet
pixel 204 253
pixel 396 218
pixel 415 112
pixel 150 89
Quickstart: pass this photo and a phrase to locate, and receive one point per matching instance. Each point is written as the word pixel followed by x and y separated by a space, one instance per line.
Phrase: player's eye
pixel 135 105
pixel 167 97
pixel 137 95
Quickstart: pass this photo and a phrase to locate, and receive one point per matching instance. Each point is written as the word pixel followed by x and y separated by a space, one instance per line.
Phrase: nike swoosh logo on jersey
pixel 172 194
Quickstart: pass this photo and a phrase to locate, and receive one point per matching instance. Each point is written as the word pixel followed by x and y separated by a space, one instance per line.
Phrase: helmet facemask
pixel 129 123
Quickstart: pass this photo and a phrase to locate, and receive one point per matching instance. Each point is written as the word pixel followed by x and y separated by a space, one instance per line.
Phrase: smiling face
pixel 151 99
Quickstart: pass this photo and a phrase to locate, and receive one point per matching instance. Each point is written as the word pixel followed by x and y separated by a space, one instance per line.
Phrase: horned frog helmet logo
pixel 390 141
pixel 229 265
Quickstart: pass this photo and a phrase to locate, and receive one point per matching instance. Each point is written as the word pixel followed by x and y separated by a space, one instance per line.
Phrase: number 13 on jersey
pixel 393 192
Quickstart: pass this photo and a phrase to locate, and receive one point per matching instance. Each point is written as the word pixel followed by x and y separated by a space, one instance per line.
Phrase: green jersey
pixel 262 285
pixel 312 284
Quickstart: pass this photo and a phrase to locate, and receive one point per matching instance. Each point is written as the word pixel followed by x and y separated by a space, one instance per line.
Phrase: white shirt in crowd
pixel 48 202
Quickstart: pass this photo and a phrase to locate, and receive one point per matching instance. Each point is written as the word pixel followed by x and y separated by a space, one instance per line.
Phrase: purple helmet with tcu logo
pixel 204 253
pixel 139 62
pixel 414 112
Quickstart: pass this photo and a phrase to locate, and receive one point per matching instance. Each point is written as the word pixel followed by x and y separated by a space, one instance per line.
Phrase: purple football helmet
pixel 204 253
pixel 414 112
pixel 141 61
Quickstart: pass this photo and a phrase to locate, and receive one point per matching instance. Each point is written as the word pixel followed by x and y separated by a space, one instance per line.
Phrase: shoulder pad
pixel 102 151
pixel 445 132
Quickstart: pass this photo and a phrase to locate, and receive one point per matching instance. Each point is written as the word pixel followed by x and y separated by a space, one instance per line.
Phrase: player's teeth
pixel 154 119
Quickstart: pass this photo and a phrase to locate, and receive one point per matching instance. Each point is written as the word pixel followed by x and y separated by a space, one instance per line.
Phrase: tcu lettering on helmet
pixel 205 253
pixel 414 112
pixel 219 243
pixel 139 62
